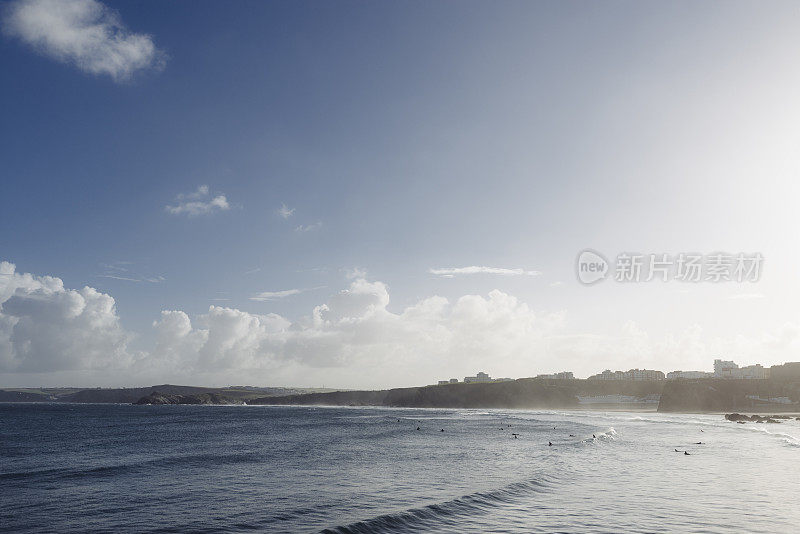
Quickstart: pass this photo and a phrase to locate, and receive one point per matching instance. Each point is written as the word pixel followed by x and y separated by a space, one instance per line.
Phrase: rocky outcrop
pixel 740 418
pixel 203 398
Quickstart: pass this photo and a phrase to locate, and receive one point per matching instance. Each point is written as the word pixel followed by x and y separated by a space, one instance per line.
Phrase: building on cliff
pixel 632 374
pixel 484 377
pixel 480 377
pixel 564 375
pixel 728 369
pixel 451 381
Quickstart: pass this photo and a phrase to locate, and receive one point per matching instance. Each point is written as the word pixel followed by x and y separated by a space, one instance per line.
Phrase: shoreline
pixel 789 415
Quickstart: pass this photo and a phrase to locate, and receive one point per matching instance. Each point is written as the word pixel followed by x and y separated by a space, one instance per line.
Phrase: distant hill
pixel 23 396
pixel 702 395
pixel 132 395
pixel 521 393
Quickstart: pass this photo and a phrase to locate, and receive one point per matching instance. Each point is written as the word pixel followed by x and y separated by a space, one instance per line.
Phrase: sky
pixel 383 194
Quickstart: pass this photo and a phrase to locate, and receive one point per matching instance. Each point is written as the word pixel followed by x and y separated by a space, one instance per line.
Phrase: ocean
pixel 116 468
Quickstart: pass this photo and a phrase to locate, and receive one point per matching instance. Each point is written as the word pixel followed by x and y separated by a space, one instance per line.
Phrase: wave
pixel 191 460
pixel 788 439
pixel 608 435
pixel 448 513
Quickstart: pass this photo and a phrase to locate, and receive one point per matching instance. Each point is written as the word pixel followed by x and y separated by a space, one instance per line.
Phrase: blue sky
pixel 401 137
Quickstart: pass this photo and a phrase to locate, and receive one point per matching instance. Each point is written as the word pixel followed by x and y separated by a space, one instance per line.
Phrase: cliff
pixel 202 398
pixel 522 393
pixel 715 395
pixel 132 395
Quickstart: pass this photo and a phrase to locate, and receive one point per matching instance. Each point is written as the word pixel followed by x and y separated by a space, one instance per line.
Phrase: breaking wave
pixel 447 513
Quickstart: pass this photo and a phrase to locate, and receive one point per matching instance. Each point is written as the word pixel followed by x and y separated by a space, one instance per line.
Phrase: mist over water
pixel 73 468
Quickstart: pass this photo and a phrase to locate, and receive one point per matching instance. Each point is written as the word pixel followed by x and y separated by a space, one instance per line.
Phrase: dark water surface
pixel 115 468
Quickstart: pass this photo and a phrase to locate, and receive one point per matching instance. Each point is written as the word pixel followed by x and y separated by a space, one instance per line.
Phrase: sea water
pixel 116 468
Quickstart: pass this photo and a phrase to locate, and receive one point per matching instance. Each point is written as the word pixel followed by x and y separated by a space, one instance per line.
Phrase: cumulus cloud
pixel 285 211
pixel 85 33
pixel 353 339
pixel 199 202
pixel 355 334
pixel 450 272
pixel 46 327
pixel 223 339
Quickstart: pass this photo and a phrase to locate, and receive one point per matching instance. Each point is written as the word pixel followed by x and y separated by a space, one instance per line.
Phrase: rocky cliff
pixel 522 393
pixel 715 395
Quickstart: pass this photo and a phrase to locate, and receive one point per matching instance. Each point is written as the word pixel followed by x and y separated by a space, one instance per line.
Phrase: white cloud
pixel 85 33
pixel 450 272
pixel 152 280
pixel 224 338
pixel 275 295
pixel 355 272
pixel 123 270
pixel 118 277
pixel 355 334
pixel 45 327
pixel 354 339
pixel 285 211
pixel 197 203
pixel 308 227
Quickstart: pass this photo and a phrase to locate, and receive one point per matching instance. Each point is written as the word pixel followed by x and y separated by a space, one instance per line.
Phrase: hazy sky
pixel 370 194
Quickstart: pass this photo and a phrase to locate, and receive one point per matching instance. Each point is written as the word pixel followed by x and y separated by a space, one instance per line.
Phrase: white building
pixel 564 375
pixel 730 370
pixel 632 374
pixel 724 368
pixel 480 377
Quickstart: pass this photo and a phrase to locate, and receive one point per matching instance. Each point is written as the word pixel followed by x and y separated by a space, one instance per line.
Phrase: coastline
pixel 701 396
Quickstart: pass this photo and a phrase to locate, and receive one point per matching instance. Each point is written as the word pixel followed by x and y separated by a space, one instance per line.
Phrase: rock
pixel 741 418
pixel 737 417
